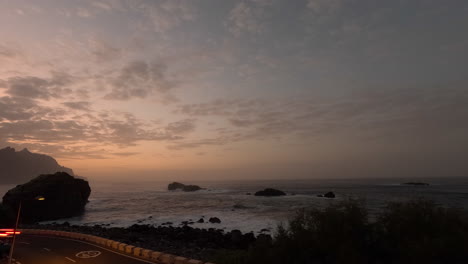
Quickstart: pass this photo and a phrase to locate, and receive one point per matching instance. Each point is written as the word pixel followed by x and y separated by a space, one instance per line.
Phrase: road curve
pixel 32 249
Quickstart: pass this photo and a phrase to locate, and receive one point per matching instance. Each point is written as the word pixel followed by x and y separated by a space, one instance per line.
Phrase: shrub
pixel 422 232
pixel 405 232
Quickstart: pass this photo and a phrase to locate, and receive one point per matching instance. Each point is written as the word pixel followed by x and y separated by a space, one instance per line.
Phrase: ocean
pixel 127 203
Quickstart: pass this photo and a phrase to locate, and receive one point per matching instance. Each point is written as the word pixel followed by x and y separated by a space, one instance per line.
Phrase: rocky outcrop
pixel 21 166
pixel 180 186
pixel 270 192
pixel 175 185
pixel 64 196
pixel 191 188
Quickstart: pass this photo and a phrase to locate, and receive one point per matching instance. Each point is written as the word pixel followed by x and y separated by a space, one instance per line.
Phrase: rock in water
pixel 270 192
pixel 191 188
pixel 186 188
pixel 214 220
pixel 175 185
pixel 329 195
pixel 65 196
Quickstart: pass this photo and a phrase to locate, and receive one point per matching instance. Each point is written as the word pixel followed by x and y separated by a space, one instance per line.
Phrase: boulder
pixel 64 196
pixel 270 192
pixel 214 220
pixel 186 188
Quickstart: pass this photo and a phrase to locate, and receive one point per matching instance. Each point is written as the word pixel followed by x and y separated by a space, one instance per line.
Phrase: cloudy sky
pixel 238 89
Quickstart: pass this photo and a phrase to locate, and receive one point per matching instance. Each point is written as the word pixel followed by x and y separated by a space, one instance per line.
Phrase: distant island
pixel 180 186
pixel 270 192
pixel 416 183
pixel 21 166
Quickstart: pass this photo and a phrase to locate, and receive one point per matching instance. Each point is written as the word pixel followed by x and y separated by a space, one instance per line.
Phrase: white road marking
pixel 141 260
pixel 70 259
pixel 88 254
pixel 25 243
pixel 46 249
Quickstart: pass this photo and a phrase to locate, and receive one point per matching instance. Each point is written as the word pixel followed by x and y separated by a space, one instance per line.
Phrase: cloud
pixel 219 107
pixel 79 105
pixel 125 154
pixel 398 114
pixel 324 6
pixel 168 14
pixel 192 144
pixel 12 108
pixel 181 127
pixel 139 79
pixel 83 12
pixel 38 88
pixel 102 5
pixel 8 52
pixel 103 51
pixel 247 17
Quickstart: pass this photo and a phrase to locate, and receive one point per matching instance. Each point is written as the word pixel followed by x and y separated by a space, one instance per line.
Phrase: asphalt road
pixel 31 249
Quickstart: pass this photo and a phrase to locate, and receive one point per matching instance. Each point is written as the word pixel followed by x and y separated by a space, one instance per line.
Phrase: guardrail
pixel 145 254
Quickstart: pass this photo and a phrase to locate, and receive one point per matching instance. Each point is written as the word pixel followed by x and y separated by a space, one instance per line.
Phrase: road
pixel 31 249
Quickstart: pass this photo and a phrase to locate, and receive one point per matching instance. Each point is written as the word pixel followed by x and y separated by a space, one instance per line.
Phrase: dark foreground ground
pixel 407 232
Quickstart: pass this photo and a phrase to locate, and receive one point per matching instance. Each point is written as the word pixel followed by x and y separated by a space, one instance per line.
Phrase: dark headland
pixel 21 166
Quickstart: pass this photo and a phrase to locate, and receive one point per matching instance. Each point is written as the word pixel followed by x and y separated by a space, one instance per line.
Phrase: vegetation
pixel 411 232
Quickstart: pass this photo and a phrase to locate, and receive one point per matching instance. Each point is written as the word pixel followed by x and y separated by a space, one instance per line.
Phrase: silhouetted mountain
pixel 21 166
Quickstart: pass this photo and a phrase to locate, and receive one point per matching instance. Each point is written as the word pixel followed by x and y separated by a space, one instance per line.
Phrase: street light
pixel 38 198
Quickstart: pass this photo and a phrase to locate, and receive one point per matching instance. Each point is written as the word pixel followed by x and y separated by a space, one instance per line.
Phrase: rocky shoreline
pixel 183 241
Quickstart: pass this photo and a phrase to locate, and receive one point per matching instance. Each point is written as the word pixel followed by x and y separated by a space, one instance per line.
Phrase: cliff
pixel 21 166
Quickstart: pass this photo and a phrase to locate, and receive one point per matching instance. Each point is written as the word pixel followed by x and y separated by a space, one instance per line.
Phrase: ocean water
pixel 127 203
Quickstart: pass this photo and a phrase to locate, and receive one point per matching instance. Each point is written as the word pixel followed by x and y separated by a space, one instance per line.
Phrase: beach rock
pixel 201 220
pixel 186 188
pixel 214 220
pixel 270 192
pixel 65 196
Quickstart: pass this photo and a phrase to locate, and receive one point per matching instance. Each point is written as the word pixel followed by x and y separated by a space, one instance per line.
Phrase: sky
pixel 245 89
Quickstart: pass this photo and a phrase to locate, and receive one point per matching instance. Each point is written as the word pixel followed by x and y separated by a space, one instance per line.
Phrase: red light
pixel 3 235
